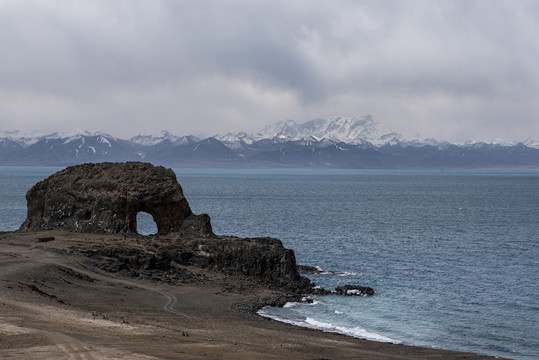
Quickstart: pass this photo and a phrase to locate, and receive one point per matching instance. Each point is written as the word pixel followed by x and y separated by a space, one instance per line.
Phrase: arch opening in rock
pixel 146 224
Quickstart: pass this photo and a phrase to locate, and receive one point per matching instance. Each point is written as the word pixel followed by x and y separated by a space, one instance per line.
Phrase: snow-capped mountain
pixel 531 143
pixel 236 141
pixel 24 138
pixel 337 142
pixel 348 130
pixel 284 129
pixel 162 138
pixel 153 139
pixel 66 148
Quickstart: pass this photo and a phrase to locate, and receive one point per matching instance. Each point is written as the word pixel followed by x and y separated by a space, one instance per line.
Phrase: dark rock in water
pixel 354 290
pixel 318 290
pixel 106 197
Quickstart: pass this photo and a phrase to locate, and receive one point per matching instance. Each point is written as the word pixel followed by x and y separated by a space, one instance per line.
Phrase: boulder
pixel 106 197
pixel 354 290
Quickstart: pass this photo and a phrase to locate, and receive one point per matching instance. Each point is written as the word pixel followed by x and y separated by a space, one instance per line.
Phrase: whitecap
pixel 346 273
pixel 290 304
pixel 304 301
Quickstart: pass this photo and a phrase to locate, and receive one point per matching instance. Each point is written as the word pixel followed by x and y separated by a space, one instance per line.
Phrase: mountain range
pixel 336 142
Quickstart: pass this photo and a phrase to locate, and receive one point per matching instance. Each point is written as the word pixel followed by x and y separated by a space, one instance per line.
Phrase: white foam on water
pixel 304 303
pixel 346 273
pixel 353 331
pixel 290 304
pixel 357 331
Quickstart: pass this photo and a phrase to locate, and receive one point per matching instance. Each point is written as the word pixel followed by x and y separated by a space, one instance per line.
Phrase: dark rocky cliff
pixel 264 260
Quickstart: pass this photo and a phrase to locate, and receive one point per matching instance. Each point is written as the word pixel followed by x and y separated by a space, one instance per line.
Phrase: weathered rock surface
pixel 106 197
pixel 265 260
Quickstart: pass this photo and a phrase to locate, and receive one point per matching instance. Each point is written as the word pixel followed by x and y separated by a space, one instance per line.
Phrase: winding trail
pixel 67 345
pixel 62 344
pixel 172 301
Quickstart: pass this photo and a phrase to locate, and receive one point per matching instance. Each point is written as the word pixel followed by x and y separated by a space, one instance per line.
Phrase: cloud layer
pixel 450 69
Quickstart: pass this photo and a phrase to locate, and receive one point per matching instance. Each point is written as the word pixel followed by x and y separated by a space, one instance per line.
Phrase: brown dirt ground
pixel 53 301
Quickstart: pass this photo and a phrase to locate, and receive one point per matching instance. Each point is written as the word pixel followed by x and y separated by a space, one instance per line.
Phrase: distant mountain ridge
pixel 336 142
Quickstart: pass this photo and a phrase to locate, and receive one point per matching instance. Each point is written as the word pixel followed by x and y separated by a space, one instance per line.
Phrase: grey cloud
pixel 324 58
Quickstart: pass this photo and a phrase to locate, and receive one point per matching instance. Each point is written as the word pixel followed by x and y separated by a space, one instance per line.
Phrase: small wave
pixel 356 332
pixel 338 312
pixel 346 273
pixel 290 304
pixel 304 301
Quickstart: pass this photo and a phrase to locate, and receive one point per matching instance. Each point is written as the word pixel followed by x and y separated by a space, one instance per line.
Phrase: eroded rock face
pixel 265 260
pixel 106 197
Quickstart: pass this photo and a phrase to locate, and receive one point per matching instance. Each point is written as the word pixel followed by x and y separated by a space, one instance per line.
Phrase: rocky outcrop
pixel 264 260
pixel 106 197
pixel 354 290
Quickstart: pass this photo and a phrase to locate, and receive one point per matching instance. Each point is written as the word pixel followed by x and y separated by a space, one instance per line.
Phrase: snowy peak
pixel 236 141
pixel 154 139
pixel 531 143
pixel 349 130
pixel 283 129
pixel 65 137
pixel 336 128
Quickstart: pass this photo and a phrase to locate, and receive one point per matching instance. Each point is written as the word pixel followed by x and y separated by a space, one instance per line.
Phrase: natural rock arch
pixel 106 197
pixel 145 224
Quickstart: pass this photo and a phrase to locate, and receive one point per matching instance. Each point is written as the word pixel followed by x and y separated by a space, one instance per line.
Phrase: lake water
pixel 453 256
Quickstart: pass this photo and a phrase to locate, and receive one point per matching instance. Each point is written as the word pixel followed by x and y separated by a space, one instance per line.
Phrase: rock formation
pixel 354 290
pixel 265 260
pixel 106 197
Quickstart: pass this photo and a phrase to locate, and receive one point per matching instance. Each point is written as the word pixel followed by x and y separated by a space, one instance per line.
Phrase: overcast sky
pixel 454 70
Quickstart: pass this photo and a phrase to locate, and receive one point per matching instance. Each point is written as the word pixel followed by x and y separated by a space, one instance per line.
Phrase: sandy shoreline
pixel 55 304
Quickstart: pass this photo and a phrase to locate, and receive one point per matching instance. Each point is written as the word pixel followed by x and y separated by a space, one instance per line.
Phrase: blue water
pixel 453 256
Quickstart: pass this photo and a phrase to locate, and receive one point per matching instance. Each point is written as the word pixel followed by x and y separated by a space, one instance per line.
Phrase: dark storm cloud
pixel 444 68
